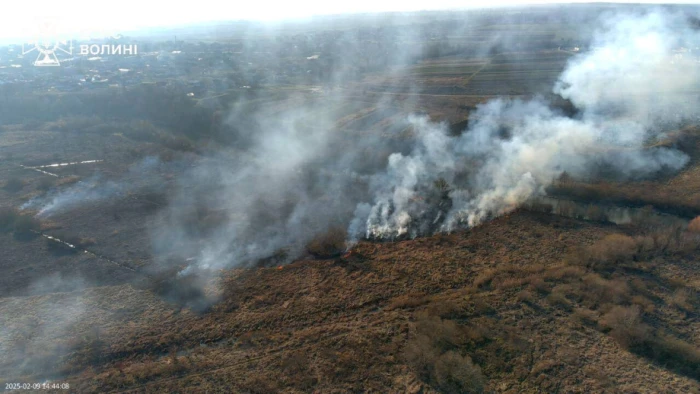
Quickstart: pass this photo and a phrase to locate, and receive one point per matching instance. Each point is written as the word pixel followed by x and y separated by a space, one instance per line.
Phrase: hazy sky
pixel 29 18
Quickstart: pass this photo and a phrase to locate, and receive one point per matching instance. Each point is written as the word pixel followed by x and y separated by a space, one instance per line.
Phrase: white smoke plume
pixel 627 87
pixel 83 192
pixel 295 176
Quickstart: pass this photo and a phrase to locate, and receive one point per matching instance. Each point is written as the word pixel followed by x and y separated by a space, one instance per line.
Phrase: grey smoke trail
pixel 96 189
pixel 83 192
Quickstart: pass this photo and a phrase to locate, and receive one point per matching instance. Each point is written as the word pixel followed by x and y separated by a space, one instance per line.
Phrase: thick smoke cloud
pixel 298 175
pixel 627 87
pixel 635 69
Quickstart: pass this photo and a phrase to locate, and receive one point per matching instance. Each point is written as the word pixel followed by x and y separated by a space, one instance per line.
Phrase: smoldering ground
pixel 143 177
pixel 300 174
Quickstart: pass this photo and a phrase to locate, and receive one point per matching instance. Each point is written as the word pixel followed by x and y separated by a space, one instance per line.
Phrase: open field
pixel 157 240
pixel 492 291
pixel 507 288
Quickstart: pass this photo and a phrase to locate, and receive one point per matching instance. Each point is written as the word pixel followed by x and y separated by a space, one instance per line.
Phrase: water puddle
pixel 57 165
pixel 67 164
pixel 61 242
pixel 92 254
pixel 40 170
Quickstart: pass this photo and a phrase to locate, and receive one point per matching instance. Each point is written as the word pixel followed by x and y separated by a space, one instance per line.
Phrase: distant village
pixel 203 68
pixel 207 68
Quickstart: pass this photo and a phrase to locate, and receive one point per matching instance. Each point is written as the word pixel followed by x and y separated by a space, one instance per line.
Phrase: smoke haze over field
pixel 255 145
pixel 297 176
pixel 141 176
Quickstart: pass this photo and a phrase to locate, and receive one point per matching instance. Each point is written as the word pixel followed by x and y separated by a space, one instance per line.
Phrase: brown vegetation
pixel 45 184
pixel 433 352
pixel 68 180
pixel 510 305
pixel 694 225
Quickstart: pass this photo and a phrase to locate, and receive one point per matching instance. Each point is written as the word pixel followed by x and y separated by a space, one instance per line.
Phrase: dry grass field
pixel 533 301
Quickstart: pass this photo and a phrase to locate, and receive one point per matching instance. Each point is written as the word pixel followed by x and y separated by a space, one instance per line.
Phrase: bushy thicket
pixel 619 306
pixel 433 352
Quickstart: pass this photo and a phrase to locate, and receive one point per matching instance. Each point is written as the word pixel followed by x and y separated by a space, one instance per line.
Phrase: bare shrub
pixel 458 374
pixel 646 304
pixel 686 242
pixel 485 277
pixel 410 300
pixel 421 355
pixel 540 285
pixel 609 251
pixel 616 247
pixel 694 225
pixel 682 299
pixel 444 334
pixel 526 296
pixel 432 352
pixel 330 244
pixel 600 290
pixel 558 299
pixel 676 353
pixel 544 366
pixel 645 246
pixel 481 307
pixel 585 316
pixel 445 308
pixel 626 326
